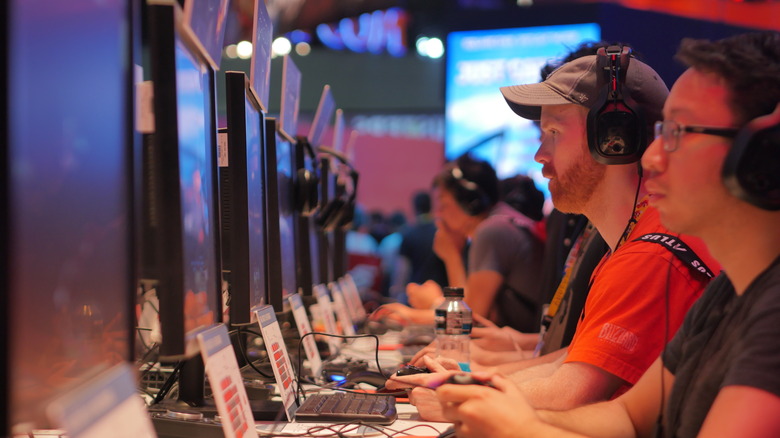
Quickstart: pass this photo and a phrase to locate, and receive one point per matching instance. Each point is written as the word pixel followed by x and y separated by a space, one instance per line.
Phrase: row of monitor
pixel 92 209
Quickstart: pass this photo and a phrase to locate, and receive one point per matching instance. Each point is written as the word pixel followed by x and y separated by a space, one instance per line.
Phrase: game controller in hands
pixel 410 370
pixel 466 379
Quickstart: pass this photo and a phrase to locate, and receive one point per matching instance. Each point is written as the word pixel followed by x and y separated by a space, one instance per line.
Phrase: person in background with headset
pixel 714 172
pixel 592 137
pixel 504 255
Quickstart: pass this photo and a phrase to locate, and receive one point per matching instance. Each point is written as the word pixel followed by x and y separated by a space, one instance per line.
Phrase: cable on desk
pixel 242 328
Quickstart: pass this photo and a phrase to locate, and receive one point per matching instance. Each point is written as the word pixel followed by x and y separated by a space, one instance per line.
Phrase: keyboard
pixel 344 407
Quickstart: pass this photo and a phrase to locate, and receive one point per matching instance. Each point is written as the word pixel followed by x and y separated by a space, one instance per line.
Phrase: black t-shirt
pixel 725 340
pixel 417 247
pixel 563 325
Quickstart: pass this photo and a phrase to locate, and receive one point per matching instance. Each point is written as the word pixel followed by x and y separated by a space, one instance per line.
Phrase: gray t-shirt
pixel 725 340
pixel 506 243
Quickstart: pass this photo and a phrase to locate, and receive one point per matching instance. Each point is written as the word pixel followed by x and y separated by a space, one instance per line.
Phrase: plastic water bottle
pixel 453 327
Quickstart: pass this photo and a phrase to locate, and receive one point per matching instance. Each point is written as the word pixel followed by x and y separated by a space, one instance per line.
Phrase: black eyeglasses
pixel 671 132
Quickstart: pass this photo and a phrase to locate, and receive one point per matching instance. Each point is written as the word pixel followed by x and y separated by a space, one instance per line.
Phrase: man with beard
pixel 712 172
pixel 640 286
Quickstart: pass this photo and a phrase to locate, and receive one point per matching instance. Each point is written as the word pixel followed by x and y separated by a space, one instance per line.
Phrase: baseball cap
pixel 577 82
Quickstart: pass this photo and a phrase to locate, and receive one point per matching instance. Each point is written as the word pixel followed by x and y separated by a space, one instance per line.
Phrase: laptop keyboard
pixel 342 407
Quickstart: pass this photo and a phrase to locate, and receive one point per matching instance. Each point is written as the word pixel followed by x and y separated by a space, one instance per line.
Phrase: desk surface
pixel 408 421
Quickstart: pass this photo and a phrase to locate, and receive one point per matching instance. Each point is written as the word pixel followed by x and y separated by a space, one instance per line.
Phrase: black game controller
pixel 410 370
pixel 466 379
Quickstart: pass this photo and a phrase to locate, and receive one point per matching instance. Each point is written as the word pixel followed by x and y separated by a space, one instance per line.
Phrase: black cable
pixel 631 220
pixel 299 390
pixel 166 387
pixel 242 348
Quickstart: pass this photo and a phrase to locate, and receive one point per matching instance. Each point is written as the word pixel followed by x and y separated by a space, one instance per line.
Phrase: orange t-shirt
pixel 622 326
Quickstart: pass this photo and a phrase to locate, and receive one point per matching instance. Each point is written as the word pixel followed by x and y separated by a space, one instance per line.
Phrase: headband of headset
pixel 469 195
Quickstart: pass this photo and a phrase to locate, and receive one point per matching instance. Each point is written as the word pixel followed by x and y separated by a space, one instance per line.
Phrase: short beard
pixel 572 190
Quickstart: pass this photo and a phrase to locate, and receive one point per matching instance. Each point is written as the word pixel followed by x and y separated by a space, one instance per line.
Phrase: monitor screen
pixel 477 119
pixel 260 66
pixel 338 131
pixel 196 172
pixel 206 19
pixel 325 110
pixel 70 274
pixel 284 171
pixel 290 99
pixel 255 200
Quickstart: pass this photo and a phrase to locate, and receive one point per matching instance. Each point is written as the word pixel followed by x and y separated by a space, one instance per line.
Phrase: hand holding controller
pixel 409 370
pixel 466 379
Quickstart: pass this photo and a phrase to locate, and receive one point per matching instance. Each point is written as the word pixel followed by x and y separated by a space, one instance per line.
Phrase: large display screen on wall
pixel 478 119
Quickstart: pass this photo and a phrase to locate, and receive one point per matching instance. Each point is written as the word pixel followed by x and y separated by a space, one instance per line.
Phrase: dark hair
pixel 750 65
pixel 475 171
pixel 397 219
pixel 584 49
pixel 421 203
pixel 521 193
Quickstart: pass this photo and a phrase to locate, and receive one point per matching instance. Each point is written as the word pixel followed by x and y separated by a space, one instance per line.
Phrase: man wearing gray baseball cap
pixel 596 115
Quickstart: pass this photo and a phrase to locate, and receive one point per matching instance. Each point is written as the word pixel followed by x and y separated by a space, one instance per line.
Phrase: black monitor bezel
pixel 275 296
pixel 234 193
pixel 165 25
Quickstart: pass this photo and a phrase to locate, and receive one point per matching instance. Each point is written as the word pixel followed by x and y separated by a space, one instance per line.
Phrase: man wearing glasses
pixel 641 290
pixel 714 172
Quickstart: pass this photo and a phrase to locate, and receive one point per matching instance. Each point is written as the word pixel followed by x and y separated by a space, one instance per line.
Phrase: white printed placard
pixel 326 309
pixel 340 305
pixel 352 296
pixel 304 328
pixel 226 382
pixel 107 405
pixel 280 361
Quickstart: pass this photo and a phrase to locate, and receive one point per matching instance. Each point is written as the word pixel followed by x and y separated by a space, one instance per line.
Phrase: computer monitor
pixel 242 198
pixel 180 218
pixel 316 237
pixel 339 186
pixel 206 19
pixel 307 181
pixel 66 263
pixel 260 66
pixel 278 204
pixel 280 199
pixel 324 254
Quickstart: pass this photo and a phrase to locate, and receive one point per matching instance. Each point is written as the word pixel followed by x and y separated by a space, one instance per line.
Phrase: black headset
pixel 617 132
pixel 338 211
pixel 468 194
pixel 307 181
pixel 751 170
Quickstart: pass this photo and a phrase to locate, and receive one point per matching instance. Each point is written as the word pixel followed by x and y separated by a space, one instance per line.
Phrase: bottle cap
pixel 453 292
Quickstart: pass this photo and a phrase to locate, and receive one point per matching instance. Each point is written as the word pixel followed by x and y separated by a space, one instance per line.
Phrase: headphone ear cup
pixel 751 170
pixel 473 202
pixel 347 215
pixel 616 134
pixel 334 214
pixel 323 217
